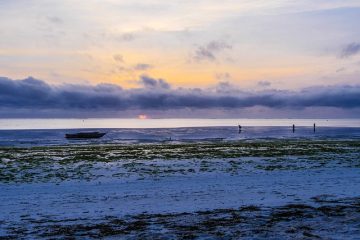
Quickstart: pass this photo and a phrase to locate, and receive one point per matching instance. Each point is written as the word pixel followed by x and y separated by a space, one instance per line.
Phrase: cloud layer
pixel 350 50
pixel 209 51
pixel 157 94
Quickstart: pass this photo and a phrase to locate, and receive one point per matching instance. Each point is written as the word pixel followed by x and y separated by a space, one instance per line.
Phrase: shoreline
pixel 261 188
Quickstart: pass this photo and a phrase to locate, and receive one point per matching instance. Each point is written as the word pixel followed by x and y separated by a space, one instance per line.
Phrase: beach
pixel 265 188
pixel 179 120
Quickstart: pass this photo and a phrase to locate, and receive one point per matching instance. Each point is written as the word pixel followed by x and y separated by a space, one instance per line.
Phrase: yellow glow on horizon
pixel 99 66
pixel 143 116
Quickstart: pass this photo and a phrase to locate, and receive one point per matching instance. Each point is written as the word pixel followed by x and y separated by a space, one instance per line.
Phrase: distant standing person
pixel 314 127
pixel 239 128
pixel 293 127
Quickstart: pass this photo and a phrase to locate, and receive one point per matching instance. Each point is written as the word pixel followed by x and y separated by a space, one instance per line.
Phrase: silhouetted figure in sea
pixel 293 128
pixel 239 128
pixel 314 127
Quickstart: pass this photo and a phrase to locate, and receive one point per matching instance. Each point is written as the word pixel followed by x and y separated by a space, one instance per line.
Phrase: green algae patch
pixel 88 162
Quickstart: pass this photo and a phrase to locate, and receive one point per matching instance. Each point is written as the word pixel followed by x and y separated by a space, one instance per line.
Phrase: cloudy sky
pixel 180 58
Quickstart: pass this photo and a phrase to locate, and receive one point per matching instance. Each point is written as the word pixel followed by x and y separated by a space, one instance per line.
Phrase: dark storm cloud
pixel 350 50
pixel 157 94
pixel 209 51
pixel 149 82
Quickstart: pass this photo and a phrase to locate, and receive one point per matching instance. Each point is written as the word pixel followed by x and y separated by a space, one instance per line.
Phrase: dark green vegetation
pixel 335 219
pixel 87 162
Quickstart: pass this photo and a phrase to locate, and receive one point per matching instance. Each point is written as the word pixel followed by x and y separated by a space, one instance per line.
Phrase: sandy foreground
pixel 255 189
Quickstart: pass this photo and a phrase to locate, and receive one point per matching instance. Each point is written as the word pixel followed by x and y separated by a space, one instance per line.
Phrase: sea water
pixel 38 132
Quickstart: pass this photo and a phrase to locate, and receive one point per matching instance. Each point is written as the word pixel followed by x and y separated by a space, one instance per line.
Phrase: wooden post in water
pixel 314 127
pixel 293 128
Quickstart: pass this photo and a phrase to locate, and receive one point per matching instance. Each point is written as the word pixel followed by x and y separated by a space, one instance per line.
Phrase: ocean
pixel 33 132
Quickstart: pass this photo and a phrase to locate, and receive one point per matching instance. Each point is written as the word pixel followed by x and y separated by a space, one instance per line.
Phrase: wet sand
pixel 280 189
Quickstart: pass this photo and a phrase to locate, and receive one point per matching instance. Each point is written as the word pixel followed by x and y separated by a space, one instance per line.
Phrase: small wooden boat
pixel 84 135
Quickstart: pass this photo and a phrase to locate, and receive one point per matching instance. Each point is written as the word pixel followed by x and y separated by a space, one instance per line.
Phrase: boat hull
pixel 85 135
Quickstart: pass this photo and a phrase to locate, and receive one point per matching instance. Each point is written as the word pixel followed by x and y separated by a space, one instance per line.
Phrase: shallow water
pixel 11 124
pixel 184 134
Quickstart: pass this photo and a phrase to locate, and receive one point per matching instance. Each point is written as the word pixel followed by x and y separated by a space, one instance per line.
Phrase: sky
pixel 180 58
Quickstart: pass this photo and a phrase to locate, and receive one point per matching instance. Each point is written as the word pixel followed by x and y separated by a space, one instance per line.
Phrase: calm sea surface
pixel 39 132
pixel 12 124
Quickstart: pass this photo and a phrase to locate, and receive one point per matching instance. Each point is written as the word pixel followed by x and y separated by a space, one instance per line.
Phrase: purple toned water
pixel 38 132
